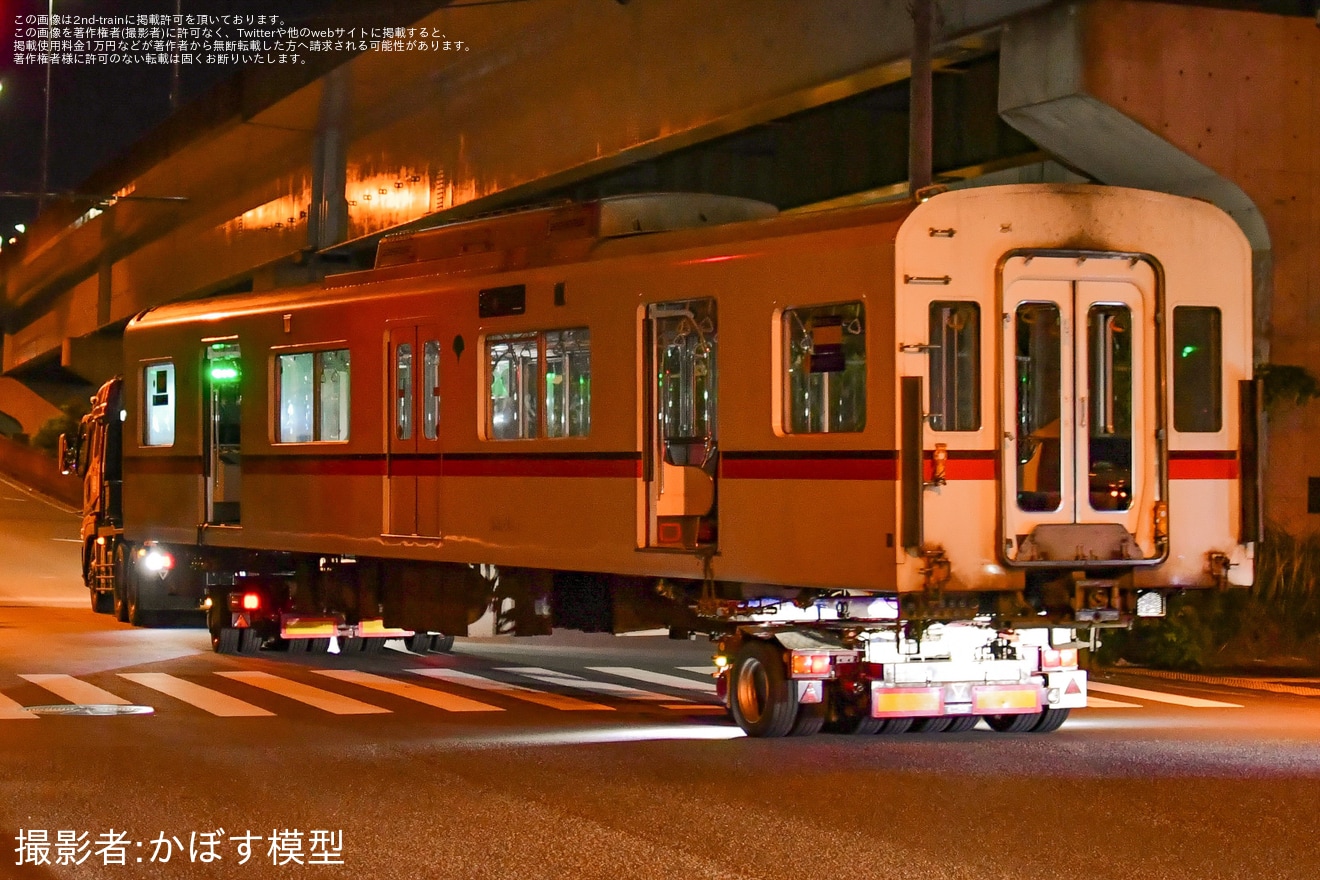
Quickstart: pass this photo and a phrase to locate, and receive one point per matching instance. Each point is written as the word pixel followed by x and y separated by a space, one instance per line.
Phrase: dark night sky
pixel 98 112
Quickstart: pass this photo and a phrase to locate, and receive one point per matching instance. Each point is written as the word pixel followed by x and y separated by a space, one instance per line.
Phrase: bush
pixel 47 438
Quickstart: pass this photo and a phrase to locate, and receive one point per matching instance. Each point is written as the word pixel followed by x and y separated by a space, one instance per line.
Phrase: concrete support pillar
pixel 327 223
pixel 94 358
pixel 1043 93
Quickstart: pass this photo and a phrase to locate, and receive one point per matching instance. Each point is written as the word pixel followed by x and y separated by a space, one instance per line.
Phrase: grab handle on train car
pixel 1251 396
pixel 910 465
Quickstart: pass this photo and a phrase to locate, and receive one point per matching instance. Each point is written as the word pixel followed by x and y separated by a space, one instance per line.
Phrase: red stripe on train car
pixel 629 466
pixel 964 464
pixel 1208 465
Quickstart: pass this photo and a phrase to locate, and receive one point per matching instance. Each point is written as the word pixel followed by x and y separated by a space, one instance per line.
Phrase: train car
pixel 893 457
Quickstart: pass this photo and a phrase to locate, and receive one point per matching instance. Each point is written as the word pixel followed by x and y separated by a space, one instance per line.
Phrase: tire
pixel 372 645
pixel 938 724
pixel 251 641
pixel 1013 723
pixel 895 726
pixel 137 615
pixel 761 698
pixel 123 565
pixel 418 642
pixel 1050 720
pixel 442 644
pixel 102 603
pixel 852 717
pixel 962 723
pixel 810 719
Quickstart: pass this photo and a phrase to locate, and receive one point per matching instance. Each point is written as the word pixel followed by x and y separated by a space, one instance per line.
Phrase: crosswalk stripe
pixel 408 690
pixel 704 670
pixel 327 701
pixel 563 679
pixel 1158 696
pixel 75 690
pixel 542 698
pixel 674 681
pixel 195 695
pixel 1102 703
pixel 11 711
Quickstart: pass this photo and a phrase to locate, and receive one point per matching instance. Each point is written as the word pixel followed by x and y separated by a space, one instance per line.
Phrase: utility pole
pixel 920 112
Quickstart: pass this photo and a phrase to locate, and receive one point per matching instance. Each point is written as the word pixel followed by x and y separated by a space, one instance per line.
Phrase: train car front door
pixel 413 461
pixel 682 457
pixel 1081 459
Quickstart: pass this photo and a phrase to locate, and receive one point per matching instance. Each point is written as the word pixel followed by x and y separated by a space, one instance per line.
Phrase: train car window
pixel 403 393
pixel 313 398
pixel 332 382
pixel 430 389
pixel 513 361
pixel 825 358
pixel 1197 370
pixel 568 383
pixel 1038 383
pixel 955 366
pixel 158 396
pixel 1109 422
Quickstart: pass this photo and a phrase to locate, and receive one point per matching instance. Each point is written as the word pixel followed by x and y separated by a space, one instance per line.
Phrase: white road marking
pixel 704 670
pixel 1102 703
pixel 195 695
pixel 563 679
pixel 1158 696
pixel 674 681
pixel 327 701
pixel 75 690
pixel 11 711
pixel 518 692
pixel 431 697
pixel 61 540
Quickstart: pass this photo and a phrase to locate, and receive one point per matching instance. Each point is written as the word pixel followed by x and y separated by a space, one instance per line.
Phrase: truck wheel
pixel 418 642
pixel 123 567
pixel 961 724
pixel 1013 723
pixel 762 699
pixel 1050 720
pixel 102 603
pixel 224 639
pixel 137 615
pixel 250 641
pixel 442 644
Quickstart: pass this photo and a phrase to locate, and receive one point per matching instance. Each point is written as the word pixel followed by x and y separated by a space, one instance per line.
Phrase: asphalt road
pixel 590 757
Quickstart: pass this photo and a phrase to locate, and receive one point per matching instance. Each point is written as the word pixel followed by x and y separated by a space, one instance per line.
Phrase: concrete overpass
pixel 796 103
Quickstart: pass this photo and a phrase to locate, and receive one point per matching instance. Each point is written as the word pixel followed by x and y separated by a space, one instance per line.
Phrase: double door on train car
pixel 1080 466
pixel 413 460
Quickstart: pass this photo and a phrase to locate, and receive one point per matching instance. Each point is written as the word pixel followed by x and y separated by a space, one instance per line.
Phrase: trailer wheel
pixel 1050 720
pixel 961 724
pixel 372 645
pixel 762 699
pixel 938 724
pixel 852 716
pixel 1013 723
pixel 810 719
pixel 224 639
pixel 442 644
pixel 250 642
pixel 418 642
pixel 895 726
pixel 137 615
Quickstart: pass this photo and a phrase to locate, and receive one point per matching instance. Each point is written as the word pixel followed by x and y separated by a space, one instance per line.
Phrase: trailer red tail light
pixel 1058 659
pixel 251 601
pixel 805 665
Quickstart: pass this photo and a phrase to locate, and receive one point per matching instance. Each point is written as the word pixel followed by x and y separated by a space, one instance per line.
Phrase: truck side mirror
pixel 68 455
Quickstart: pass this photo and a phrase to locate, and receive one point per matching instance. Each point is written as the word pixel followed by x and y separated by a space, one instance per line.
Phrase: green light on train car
pixel 1188 350
pixel 224 371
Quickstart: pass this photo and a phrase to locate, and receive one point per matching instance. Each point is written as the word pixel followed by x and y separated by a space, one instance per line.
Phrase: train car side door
pixel 1080 470
pixel 413 460
pixel 682 454
pixel 222 399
